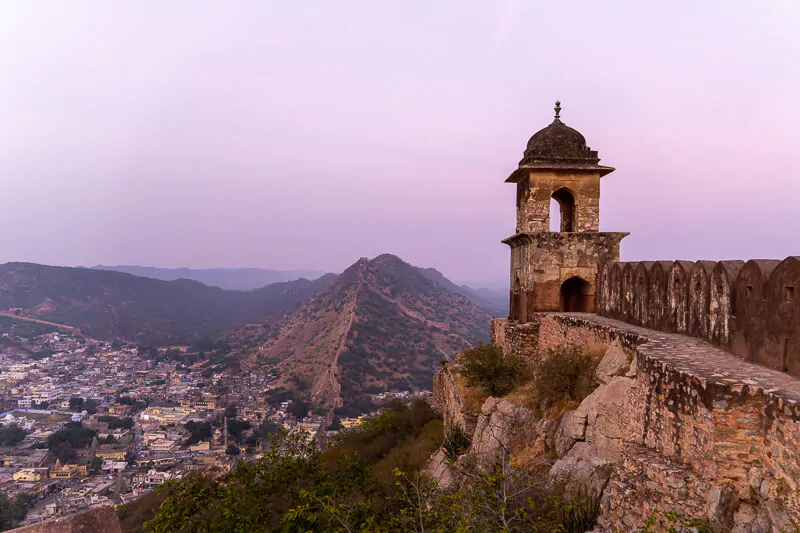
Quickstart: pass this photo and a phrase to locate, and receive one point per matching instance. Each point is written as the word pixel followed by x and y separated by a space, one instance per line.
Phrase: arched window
pixel 575 295
pixel 562 211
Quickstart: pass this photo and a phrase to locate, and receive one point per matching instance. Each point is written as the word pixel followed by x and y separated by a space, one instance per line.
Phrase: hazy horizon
pixel 305 136
pixel 474 283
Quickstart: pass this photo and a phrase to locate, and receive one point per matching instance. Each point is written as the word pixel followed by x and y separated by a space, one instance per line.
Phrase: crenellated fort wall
pixel 711 409
pixel 698 420
pixel 751 309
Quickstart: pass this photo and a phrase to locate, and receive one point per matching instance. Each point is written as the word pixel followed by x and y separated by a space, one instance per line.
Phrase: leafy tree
pixel 11 435
pixel 72 434
pixel 130 458
pixel 64 452
pixel 267 429
pixel 12 512
pixel 236 427
pixel 76 404
pixel 230 412
pixel 299 408
pixel 198 431
pixel 90 406
pixel 96 465
pixel 232 449
pixel 116 422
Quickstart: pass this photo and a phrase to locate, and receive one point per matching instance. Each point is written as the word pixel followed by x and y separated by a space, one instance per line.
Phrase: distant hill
pixel 106 304
pixel 225 278
pixel 494 301
pixel 382 325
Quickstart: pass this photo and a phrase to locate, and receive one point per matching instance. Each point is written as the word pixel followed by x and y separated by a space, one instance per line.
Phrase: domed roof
pixel 558 145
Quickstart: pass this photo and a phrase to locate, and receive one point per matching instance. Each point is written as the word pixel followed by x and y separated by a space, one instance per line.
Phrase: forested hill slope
pixel 381 325
pixel 106 304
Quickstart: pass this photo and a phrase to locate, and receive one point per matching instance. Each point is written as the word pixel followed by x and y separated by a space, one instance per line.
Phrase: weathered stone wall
pixel 536 188
pixel 515 337
pixel 751 309
pixel 707 434
pixel 542 262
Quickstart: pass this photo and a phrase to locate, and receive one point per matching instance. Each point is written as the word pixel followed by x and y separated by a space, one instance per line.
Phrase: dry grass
pixel 473 397
pixel 562 378
pixel 595 350
pixel 531 458
pixel 523 395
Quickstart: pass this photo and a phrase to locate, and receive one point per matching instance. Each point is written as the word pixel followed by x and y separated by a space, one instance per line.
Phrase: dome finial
pixel 558 109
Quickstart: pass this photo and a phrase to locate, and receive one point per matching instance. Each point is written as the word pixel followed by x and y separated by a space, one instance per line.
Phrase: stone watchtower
pixel 557 270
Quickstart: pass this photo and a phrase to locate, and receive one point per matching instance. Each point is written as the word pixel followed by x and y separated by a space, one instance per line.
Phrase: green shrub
pixel 455 442
pixel 488 367
pixel 563 375
pixel 581 514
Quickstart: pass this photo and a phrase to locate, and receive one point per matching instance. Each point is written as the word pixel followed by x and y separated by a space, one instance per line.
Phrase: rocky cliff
pixel 676 427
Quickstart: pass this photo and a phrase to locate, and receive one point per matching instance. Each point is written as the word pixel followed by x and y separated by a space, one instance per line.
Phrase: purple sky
pixel 308 134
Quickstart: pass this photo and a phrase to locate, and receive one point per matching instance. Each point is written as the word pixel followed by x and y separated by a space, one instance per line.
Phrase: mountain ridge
pixel 106 304
pixel 382 325
pixel 240 278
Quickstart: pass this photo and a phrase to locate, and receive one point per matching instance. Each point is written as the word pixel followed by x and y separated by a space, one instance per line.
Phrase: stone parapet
pixel 698 418
pixel 750 309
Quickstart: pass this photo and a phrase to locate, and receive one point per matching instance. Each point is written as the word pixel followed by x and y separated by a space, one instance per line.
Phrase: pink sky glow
pixel 308 134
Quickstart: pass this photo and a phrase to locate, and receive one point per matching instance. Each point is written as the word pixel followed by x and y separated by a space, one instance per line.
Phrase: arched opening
pixel 517 309
pixel 562 211
pixel 513 308
pixel 575 297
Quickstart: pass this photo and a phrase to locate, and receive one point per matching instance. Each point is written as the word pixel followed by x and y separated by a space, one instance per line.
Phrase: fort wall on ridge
pixel 751 309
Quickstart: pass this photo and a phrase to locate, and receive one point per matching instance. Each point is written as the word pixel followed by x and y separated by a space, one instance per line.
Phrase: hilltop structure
pixel 697 408
pixel 556 271
pixel 751 309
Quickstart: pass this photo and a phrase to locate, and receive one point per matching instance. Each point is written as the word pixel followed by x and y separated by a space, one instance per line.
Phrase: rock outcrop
pixel 677 430
pixel 588 439
pixel 447 398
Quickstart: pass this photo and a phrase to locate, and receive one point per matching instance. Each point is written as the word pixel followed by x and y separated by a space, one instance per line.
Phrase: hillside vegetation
pixel 381 326
pixel 106 304
pixel 370 480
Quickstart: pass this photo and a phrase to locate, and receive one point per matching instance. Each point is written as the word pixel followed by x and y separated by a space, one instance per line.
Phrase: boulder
pixel 583 468
pixel 567 433
pixel 588 440
pixel 615 362
pixel 439 469
pixel 501 427
pixel 602 415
